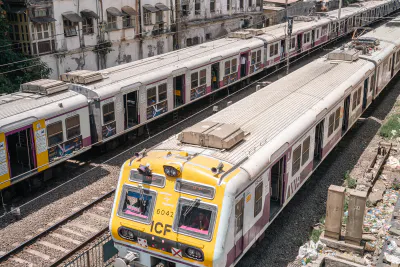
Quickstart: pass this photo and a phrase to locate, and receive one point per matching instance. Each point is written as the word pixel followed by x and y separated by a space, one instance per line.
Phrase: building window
pixel 159 16
pixel 197 7
pixel 195 40
pixel 306 151
pixel 69 28
pixel 208 36
pixel 296 160
pixel 227 67
pixel 258 2
pixel 234 65
pixel 241 4
pixel 111 21
pixel 73 127
pixel 185 9
pixel 147 18
pixel 54 134
pixel 128 21
pixel 250 3
pixel 212 5
pixel 108 113
pixel 40 12
pixel 337 118
pixel 87 25
pixel 189 42
pixel 228 7
pixel 258 199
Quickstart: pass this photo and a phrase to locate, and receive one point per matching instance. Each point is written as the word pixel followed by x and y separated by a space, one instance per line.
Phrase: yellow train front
pixel 166 210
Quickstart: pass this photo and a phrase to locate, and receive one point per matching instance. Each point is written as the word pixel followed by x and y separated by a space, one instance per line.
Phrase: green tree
pixel 27 69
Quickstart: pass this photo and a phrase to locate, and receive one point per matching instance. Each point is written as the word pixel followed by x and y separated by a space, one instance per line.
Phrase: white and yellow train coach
pixel 204 197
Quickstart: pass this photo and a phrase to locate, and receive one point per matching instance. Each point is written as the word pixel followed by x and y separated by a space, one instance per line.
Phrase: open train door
pixel 239 213
pixel 345 124
pixel 365 94
pixel 319 141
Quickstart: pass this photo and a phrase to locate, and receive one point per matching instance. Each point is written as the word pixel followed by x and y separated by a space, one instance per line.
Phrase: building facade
pixel 96 34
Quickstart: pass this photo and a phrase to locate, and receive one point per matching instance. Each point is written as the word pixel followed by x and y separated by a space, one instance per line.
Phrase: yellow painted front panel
pixel 4 171
pixel 166 204
pixel 42 155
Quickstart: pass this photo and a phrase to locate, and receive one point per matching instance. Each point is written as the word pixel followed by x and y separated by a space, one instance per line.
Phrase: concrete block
pixel 341 245
pixel 354 227
pixel 334 211
pixel 335 262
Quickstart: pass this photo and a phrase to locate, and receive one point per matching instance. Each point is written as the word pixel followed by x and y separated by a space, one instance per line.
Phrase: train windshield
pixel 137 203
pixel 195 218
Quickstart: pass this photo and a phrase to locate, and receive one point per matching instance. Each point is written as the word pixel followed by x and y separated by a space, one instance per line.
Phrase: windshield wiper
pixel 189 209
pixel 142 200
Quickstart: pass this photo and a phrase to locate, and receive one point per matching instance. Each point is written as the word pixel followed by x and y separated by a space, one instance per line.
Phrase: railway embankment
pixel 376 172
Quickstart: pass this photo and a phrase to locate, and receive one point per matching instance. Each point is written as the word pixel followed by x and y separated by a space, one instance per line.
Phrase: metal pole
pixel 339 11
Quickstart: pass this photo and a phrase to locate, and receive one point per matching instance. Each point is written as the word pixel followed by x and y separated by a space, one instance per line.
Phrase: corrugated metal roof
pixel 18 103
pixel 265 113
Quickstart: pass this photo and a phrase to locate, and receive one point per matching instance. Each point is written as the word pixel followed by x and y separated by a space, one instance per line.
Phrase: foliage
pixel 351 183
pixel 396 185
pixel 31 68
pixel 315 234
pixel 391 128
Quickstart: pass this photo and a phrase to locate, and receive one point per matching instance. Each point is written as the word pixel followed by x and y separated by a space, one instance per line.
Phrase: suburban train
pixel 206 195
pixel 50 121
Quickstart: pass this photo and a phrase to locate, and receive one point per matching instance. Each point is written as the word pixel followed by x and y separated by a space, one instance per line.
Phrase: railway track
pixel 47 240
pixel 63 238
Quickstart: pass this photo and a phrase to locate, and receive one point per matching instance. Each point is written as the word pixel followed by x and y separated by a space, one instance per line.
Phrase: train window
pixel 253 57
pixel 317 34
pixel 371 87
pixel 258 198
pixel 397 57
pixel 306 151
pixel 337 118
pixel 227 67
pixel 108 113
pixel 331 124
pixel 273 50
pixel 195 79
pixel 73 126
pixel 292 43
pixel 151 96
pixel 136 203
pixel 358 96
pixel 162 92
pixel 195 218
pixel 296 160
pixel 234 65
pixel 354 101
pixel 258 56
pixel 54 134
pixel 239 215
pixel 203 75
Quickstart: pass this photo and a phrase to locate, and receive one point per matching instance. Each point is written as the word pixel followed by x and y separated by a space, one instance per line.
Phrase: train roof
pixel 264 115
pixel 18 107
pixel 154 68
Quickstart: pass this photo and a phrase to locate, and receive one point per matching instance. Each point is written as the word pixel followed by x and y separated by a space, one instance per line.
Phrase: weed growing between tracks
pixel 391 129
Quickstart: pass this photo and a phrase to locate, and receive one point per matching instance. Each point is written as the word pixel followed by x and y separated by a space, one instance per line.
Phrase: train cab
pixel 166 209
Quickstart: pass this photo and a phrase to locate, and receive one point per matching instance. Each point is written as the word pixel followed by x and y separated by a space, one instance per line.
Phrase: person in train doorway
pixel 214 79
pixel 243 66
pixel 201 222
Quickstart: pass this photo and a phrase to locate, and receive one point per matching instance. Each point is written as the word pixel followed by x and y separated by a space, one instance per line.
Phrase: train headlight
pixel 194 253
pixel 172 171
pixel 127 233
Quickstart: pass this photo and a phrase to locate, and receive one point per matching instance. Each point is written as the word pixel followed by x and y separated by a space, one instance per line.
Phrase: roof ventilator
pixel 212 134
pixel 344 55
pixel 82 76
pixel 366 45
pixel 44 87
pixel 303 18
pixel 240 35
pixel 255 32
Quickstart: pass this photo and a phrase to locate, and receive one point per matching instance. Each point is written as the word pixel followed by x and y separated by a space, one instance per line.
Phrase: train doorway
pixel 319 142
pixel 215 76
pixel 345 124
pixel 21 150
pixel 299 42
pixel 131 109
pixel 179 90
pixel 244 60
pixel 365 94
pixel 277 184
pixel 239 213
